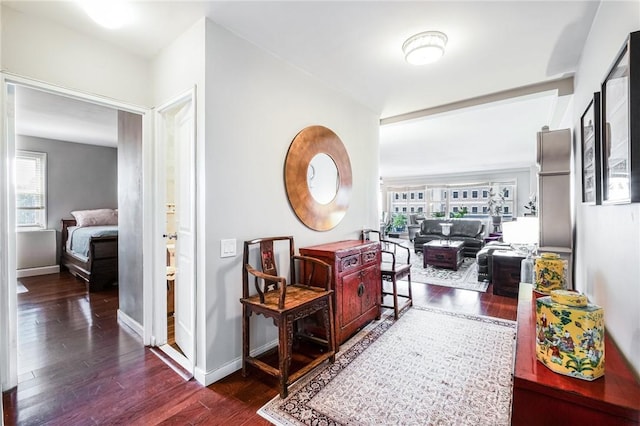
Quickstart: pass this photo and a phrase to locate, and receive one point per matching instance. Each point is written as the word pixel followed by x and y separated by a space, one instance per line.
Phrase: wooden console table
pixel 356 283
pixel 542 397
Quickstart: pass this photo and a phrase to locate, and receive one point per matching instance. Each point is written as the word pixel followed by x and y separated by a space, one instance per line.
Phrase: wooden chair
pixel 395 266
pixel 285 303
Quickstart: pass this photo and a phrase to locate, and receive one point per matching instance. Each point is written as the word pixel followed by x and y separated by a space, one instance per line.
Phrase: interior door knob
pixel 173 236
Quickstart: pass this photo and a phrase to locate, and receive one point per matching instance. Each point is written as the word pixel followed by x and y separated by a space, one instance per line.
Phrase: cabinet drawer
pixel 349 263
pixel 370 257
pixel 441 255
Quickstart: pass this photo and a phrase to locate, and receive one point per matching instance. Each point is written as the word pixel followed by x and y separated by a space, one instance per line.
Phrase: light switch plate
pixel 228 247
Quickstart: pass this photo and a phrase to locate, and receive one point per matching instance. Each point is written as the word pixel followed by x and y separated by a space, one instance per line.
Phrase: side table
pixel 505 274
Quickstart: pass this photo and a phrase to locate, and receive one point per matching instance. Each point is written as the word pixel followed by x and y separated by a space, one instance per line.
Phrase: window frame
pixel 42 222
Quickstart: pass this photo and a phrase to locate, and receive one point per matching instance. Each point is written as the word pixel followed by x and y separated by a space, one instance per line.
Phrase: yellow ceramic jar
pixel 570 335
pixel 550 273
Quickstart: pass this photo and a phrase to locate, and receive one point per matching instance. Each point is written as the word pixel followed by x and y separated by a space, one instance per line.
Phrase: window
pixel 404 195
pixel 474 194
pixel 397 196
pixel 413 195
pixel 420 195
pixel 474 209
pixel 454 194
pixel 31 198
pixel 485 194
pixel 465 194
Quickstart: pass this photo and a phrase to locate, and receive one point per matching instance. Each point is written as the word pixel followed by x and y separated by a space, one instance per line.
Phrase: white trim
pixel 130 322
pixel 148 241
pixel 179 358
pixel 209 377
pixel 42 270
pixel 8 287
pixel 74 94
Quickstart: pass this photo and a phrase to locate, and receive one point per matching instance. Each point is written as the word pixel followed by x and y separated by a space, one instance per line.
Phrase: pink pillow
pixel 97 217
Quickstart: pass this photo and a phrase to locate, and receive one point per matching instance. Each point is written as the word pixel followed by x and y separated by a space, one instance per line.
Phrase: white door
pixel 185 227
pixel 176 189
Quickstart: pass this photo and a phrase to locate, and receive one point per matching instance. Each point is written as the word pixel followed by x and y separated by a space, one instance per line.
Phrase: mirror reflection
pixel 322 178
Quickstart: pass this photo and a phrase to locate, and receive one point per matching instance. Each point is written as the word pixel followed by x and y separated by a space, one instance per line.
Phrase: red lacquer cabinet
pixel 356 282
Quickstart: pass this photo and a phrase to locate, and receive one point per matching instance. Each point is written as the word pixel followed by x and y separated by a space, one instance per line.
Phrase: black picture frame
pixel 620 100
pixel 591 152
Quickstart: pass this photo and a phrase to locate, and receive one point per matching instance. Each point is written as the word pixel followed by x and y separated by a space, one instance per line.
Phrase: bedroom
pixel 79 168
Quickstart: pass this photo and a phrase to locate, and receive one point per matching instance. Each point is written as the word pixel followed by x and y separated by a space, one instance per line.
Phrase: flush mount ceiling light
pixel 424 48
pixel 111 14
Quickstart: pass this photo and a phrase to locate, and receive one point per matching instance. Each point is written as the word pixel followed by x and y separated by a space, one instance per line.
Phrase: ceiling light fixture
pixel 424 48
pixel 111 14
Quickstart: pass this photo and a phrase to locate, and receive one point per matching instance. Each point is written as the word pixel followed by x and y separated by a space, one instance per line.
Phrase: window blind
pixel 30 169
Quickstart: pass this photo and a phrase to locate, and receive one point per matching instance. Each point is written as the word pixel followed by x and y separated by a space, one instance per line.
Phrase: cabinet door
pixel 372 289
pixel 353 290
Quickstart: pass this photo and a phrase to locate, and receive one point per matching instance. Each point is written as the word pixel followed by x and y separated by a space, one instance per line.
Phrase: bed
pixel 89 247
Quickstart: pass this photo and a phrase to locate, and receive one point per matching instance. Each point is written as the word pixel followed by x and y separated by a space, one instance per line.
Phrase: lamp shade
pixel 424 48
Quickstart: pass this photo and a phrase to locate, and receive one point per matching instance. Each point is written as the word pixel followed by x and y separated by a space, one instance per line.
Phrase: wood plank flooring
pixel 78 366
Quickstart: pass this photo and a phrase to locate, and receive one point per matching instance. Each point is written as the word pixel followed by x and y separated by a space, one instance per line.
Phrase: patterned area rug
pixel 430 367
pixel 466 277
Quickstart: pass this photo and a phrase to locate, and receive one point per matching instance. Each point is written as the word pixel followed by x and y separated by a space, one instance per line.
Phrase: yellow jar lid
pixel 569 298
pixel 550 255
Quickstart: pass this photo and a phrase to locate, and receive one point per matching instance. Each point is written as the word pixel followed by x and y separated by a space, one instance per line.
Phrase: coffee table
pixel 445 254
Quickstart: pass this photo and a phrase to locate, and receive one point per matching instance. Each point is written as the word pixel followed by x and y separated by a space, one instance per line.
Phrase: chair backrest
pixel 370 235
pixel 314 272
pixel 268 261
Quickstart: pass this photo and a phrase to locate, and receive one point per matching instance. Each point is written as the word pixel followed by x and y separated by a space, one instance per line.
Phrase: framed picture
pixel 591 161
pixel 620 135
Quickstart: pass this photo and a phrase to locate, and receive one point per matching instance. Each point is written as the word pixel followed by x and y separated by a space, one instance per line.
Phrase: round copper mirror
pixel 317 177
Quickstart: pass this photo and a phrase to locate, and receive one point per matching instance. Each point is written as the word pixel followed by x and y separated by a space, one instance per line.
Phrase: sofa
pixel 469 231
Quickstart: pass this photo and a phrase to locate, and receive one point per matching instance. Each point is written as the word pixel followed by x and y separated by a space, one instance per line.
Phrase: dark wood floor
pixel 78 366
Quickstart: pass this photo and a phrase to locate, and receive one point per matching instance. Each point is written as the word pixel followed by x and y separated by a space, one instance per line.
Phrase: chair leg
pixel 329 328
pixel 409 288
pixel 246 316
pixel 285 343
pixel 395 297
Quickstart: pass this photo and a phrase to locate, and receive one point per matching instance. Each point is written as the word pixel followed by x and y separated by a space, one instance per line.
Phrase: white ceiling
pixel 50 116
pixel 355 47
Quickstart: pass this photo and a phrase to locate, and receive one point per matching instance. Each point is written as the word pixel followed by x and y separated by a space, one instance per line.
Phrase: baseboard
pixel 131 323
pixel 42 270
pixel 207 378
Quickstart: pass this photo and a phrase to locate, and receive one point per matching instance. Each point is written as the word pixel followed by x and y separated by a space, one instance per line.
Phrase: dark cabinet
pixel 356 282
pixel 506 273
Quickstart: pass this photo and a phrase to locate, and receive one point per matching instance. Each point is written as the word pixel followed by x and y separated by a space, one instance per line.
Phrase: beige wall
pixel 607 246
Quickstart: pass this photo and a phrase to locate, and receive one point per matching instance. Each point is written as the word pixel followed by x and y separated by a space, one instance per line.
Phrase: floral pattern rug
pixel 430 367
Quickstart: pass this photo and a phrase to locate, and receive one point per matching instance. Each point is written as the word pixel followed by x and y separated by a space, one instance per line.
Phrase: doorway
pixel 175 165
pixel 8 293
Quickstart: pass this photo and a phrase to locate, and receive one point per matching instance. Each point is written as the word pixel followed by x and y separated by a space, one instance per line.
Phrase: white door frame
pixel 8 294
pixel 159 293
